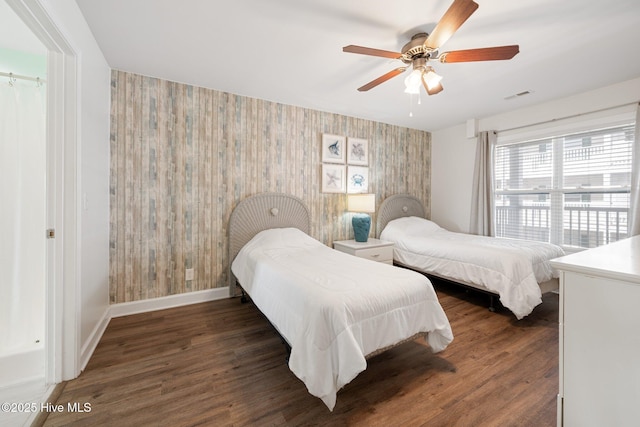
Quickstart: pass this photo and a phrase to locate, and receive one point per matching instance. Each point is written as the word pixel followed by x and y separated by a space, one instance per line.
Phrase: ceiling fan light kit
pixel 424 47
pixel 413 81
pixel 430 78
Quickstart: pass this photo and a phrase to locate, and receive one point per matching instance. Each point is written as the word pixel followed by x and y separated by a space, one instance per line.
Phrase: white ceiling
pixel 290 51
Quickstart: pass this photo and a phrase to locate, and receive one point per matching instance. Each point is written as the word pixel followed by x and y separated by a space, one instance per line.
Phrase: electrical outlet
pixel 188 274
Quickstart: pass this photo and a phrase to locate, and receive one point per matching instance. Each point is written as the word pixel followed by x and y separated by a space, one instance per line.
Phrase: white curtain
pixel 634 217
pixel 482 202
pixel 22 215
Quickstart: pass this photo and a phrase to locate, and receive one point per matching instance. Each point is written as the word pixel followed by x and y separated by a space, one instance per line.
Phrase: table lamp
pixel 361 204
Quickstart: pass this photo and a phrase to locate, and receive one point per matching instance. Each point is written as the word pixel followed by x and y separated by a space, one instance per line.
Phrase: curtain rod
pixel 568 117
pixel 18 76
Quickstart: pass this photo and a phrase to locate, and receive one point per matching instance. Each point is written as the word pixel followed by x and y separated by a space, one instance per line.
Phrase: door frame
pixel 62 312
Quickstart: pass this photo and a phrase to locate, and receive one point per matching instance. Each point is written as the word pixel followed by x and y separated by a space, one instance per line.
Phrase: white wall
pixel 93 105
pixel 452 158
pixel 453 154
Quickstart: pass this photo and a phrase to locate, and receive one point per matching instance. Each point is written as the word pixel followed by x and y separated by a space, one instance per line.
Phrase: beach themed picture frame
pixel 357 179
pixel 334 178
pixel 357 151
pixel 333 148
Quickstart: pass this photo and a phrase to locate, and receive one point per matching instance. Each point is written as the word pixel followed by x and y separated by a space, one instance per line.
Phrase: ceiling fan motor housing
pixel 417 49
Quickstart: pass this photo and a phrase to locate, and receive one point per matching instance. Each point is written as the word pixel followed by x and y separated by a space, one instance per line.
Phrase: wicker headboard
pixel 398 206
pixel 262 212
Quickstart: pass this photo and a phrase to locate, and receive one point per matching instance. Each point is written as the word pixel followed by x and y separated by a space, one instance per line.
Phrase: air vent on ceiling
pixel 518 95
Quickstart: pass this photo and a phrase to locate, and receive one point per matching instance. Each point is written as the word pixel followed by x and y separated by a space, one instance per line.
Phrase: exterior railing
pixel 583 225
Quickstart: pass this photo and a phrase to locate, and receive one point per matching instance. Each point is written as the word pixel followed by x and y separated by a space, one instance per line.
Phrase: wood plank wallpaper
pixel 182 157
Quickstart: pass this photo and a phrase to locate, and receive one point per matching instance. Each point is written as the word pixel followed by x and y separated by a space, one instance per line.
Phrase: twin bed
pixel 516 271
pixel 335 310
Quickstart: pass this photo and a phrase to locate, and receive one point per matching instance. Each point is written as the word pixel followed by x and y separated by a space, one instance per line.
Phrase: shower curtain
pixel 22 216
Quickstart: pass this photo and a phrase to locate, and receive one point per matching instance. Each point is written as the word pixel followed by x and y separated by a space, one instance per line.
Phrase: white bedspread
pixel 334 308
pixel 511 268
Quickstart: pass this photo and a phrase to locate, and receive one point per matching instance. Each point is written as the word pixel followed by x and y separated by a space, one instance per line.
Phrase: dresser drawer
pixel 382 254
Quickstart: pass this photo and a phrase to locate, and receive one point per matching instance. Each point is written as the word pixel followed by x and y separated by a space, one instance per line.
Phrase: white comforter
pixel 334 308
pixel 511 268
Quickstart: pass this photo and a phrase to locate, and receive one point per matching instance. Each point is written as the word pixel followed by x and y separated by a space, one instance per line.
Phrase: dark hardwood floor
pixel 221 363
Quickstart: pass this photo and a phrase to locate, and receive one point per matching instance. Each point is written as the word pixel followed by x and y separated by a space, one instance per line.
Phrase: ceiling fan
pixel 425 47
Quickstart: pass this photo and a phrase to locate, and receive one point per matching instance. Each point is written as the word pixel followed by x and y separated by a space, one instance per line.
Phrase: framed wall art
pixel 357 151
pixel 333 148
pixel 333 178
pixel 357 179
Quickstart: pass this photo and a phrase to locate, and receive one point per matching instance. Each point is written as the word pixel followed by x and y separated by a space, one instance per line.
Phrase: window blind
pixel 571 190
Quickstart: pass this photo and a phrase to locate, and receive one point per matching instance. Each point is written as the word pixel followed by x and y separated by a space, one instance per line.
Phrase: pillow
pixel 410 226
pixel 282 238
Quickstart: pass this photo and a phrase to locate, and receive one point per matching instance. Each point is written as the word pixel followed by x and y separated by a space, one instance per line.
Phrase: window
pixel 572 190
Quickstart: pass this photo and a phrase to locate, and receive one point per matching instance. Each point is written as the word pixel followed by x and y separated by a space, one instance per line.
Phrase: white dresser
pixel 373 249
pixel 600 336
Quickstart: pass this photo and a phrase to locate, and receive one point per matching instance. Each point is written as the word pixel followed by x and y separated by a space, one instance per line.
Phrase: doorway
pixel 60 306
pixel 23 172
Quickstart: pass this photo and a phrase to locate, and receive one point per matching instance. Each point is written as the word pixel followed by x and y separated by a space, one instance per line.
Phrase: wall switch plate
pixel 188 274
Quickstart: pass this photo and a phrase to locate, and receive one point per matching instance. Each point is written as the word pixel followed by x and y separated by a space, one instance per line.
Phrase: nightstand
pixel 372 249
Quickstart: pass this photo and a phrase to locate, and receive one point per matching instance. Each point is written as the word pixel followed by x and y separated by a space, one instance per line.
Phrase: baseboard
pixel 94 338
pixel 143 306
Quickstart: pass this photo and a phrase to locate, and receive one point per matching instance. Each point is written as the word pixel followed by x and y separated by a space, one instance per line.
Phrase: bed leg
pixel 288 349
pixel 492 307
pixel 244 299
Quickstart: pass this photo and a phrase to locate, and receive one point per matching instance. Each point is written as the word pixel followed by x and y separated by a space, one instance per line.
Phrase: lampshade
pixel 412 90
pixel 412 82
pixel 361 203
pixel 420 75
pixel 431 78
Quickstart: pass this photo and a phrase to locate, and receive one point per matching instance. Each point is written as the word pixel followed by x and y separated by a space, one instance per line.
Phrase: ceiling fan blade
pixel 434 90
pixel 369 51
pixel 453 18
pixel 483 54
pixel 382 79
